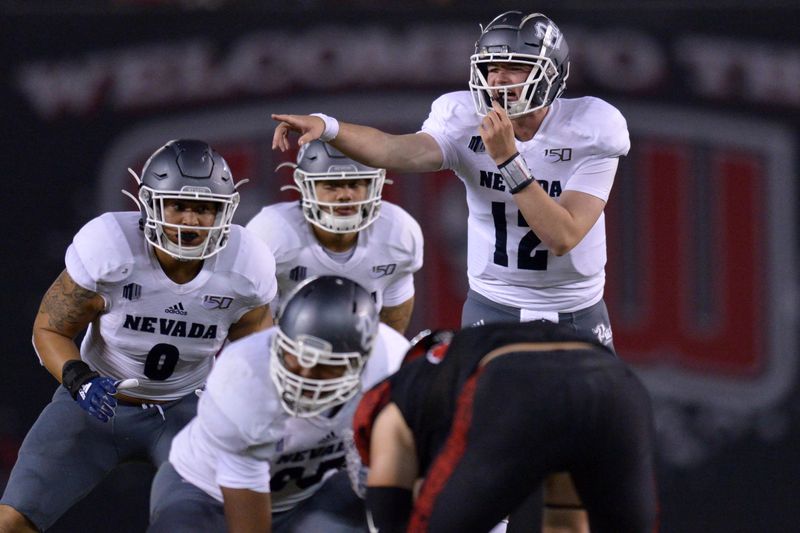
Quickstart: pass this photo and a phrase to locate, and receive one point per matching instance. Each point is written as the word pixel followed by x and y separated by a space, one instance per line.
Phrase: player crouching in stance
pixel 342 226
pixel 456 416
pixel 264 450
pixel 158 292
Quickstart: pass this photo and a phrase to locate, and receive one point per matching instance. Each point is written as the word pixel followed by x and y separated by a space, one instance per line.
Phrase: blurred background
pixel 702 276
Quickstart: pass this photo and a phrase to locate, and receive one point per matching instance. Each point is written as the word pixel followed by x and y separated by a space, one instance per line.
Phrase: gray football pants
pixel 593 320
pixel 68 452
pixel 177 506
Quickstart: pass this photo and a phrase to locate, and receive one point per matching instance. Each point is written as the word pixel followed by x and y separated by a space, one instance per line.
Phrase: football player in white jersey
pixel 342 227
pixel 265 450
pixel 158 291
pixel 538 170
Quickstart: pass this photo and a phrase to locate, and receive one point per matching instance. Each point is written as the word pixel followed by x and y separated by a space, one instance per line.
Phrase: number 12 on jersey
pixel 529 241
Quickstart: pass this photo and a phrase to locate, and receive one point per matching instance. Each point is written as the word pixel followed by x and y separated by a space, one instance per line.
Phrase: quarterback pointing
pixel 534 252
pixel 342 227
pixel 158 293
pixel 538 170
pixel 264 452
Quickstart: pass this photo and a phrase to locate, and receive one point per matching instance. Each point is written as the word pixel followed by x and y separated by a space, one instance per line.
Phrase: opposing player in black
pixel 486 415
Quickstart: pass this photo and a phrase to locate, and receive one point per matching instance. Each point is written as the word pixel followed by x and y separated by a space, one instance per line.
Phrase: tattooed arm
pixel 66 310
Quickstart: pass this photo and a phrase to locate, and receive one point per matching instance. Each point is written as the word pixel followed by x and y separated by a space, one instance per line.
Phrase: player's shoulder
pixel 279 226
pixel 247 256
pixel 596 112
pixel 394 221
pixel 455 100
pixel 106 247
pixel 246 358
pixel 386 357
pixel 456 110
pixel 398 235
pixel 274 215
pixel 595 121
pixel 240 383
pixel 248 266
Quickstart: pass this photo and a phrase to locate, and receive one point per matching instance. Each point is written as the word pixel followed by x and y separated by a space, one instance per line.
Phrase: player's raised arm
pixel 414 152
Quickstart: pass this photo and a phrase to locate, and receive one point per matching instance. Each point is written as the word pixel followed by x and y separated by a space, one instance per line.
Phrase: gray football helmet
pixel 327 320
pixel 317 162
pixel 187 170
pixel 532 40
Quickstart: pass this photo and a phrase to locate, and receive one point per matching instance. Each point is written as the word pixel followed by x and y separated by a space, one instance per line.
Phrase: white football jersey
pixel 242 437
pixel 576 148
pixel 387 253
pixel 160 332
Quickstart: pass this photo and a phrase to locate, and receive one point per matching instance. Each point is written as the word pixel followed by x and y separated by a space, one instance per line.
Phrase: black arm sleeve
pixel 388 508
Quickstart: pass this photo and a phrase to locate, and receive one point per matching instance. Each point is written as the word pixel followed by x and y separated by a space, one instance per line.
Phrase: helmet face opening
pixel 319 163
pixel 187 171
pixel 325 333
pixel 157 228
pixel 530 40
pixel 303 396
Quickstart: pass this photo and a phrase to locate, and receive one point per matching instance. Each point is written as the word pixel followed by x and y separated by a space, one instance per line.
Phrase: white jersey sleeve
pixel 238 424
pixel 252 270
pixel 451 119
pixel 386 357
pixel 100 253
pixel 406 244
pixel 608 133
pixel 267 226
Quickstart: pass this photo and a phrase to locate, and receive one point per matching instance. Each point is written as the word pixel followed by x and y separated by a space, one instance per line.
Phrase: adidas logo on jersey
pixel 176 309
pixel 329 436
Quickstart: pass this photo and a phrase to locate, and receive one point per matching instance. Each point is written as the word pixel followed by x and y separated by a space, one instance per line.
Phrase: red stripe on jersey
pixel 448 458
pixel 370 406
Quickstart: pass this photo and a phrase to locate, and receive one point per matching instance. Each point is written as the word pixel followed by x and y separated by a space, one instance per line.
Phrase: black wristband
pixel 74 374
pixel 521 186
pixel 565 506
pixel 390 508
